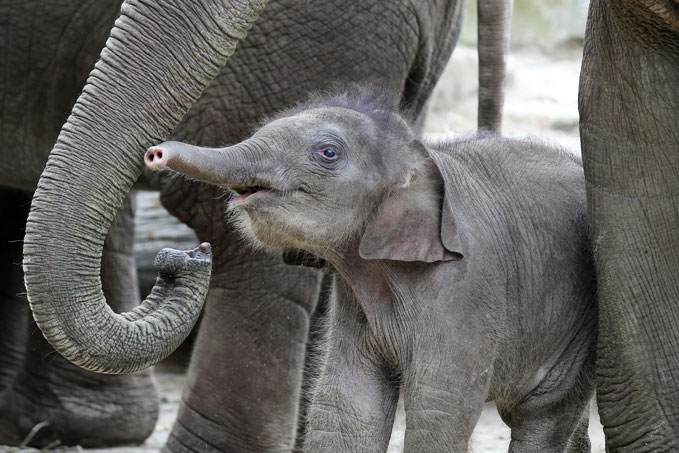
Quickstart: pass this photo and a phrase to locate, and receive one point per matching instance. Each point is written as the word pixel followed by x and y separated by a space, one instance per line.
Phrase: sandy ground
pixel 541 101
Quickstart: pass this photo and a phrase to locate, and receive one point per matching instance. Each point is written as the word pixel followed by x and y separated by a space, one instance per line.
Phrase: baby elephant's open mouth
pixel 245 193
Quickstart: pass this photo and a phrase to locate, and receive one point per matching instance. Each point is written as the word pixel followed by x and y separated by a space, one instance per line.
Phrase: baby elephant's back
pixel 538 215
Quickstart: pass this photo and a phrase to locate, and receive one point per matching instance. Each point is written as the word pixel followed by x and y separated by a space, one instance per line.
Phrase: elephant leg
pixel 441 414
pixel 553 416
pixel 637 366
pixel 78 406
pixel 314 353
pixel 579 440
pixel 550 427
pixel 628 101
pixel 245 374
pixel 13 306
pixel 353 401
pixel 448 378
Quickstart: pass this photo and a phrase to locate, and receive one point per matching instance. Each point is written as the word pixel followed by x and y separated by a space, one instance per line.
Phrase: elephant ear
pixel 413 224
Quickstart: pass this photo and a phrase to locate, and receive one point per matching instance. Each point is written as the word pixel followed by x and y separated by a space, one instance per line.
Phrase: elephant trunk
pixel 159 58
pixel 246 164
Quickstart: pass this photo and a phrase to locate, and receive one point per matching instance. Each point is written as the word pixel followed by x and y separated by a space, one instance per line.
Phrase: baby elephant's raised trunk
pixel 234 166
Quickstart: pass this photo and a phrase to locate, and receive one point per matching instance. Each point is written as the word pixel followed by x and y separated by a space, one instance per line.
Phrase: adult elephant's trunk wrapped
pixel 159 58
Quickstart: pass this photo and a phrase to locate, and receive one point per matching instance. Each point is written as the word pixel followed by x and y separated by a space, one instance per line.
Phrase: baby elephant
pixel 462 272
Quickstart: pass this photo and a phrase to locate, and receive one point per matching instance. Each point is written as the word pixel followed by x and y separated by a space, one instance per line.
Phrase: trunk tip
pixel 156 157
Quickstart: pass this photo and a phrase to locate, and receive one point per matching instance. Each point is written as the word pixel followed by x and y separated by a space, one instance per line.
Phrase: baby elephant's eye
pixel 328 156
pixel 329 153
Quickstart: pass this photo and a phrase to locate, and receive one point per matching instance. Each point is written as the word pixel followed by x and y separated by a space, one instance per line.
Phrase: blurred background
pixel 542 76
pixel 541 100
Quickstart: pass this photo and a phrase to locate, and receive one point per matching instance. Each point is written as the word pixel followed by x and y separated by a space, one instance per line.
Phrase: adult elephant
pixel 246 371
pixel 629 124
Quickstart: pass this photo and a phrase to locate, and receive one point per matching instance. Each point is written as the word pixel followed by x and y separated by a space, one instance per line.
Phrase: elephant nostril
pixel 154 155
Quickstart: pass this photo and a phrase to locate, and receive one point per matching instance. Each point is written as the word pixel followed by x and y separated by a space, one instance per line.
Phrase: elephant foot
pixel 78 408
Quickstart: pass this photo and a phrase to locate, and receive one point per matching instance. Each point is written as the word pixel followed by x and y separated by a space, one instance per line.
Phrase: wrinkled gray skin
pixel 629 124
pixel 244 378
pixel 462 272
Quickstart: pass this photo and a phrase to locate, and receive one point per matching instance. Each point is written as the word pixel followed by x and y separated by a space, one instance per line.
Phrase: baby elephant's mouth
pixel 245 193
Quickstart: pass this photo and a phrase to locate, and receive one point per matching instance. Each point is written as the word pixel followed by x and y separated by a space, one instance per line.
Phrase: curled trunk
pixel 158 60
